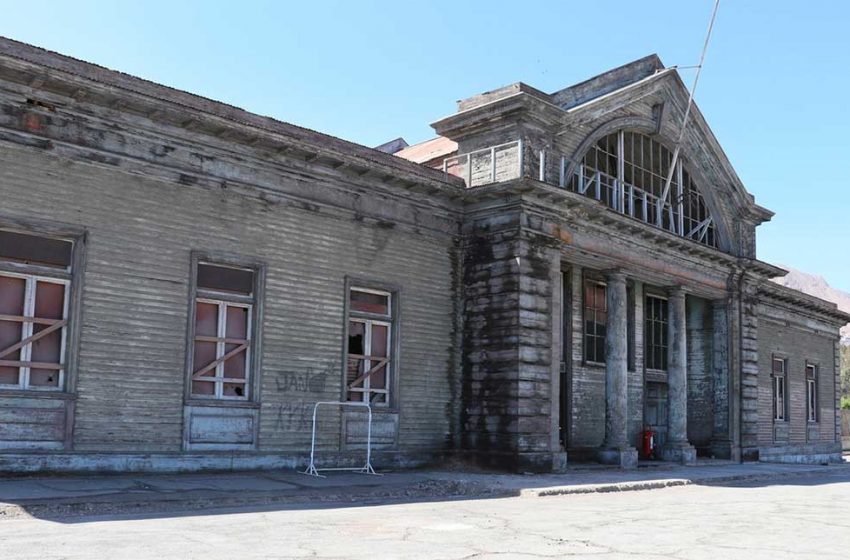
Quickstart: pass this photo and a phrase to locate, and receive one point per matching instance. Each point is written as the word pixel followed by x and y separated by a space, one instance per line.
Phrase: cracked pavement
pixel 792 517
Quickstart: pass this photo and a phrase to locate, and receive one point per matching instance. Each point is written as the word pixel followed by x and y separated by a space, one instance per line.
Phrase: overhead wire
pixel 678 146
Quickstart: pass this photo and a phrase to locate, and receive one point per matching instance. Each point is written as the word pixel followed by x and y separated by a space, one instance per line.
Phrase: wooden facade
pixel 478 347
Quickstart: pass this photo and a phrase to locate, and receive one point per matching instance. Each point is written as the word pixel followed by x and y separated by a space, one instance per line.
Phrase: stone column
pixel 677 447
pixel 616 449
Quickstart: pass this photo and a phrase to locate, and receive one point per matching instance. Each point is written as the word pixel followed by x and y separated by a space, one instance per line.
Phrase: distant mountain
pixel 817 286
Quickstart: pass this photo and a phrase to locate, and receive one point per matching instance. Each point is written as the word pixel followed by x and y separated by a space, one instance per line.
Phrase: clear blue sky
pixel 774 89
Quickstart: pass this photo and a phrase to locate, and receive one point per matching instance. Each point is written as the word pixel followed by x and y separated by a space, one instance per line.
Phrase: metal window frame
pixel 256 304
pixel 625 197
pixel 649 343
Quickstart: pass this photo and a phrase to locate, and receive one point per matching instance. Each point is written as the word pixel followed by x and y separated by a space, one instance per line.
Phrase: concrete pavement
pixel 794 516
pixel 58 497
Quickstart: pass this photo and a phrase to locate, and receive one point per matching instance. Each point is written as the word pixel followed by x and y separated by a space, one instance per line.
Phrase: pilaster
pixel 721 440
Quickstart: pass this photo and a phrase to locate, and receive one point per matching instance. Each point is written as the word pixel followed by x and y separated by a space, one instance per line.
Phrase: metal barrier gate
pixel 367 467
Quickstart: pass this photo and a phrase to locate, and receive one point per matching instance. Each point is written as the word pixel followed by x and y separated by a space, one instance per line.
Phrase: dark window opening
pixel 225 279
pixel 595 321
pixel 655 333
pixel 32 249
pixel 780 395
pixel 811 393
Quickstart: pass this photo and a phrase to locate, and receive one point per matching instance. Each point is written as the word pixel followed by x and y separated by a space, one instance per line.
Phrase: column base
pixel 721 449
pixel 559 462
pixel 680 453
pixel 625 458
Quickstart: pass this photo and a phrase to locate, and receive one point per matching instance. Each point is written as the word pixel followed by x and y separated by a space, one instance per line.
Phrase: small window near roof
pixel 370 302
pixel 32 249
pixel 225 279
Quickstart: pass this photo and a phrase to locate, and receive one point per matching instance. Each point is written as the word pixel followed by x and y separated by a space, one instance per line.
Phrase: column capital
pixel 615 275
pixel 676 291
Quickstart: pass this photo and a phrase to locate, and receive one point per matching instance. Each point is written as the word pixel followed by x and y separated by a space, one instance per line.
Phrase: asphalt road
pixel 804 517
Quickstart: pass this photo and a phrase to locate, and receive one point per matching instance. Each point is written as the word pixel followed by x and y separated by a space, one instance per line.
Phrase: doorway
pixel 655 411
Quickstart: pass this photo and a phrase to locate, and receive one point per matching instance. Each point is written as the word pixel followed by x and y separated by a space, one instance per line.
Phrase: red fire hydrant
pixel 648 446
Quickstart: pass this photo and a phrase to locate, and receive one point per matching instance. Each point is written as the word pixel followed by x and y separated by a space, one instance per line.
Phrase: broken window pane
pixel 371 338
pixel 226 279
pixel 44 377
pixel 641 170
pixel 234 390
pixel 35 249
pixel 356 337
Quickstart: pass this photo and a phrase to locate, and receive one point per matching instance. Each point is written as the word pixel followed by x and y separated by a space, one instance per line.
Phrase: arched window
pixel 628 172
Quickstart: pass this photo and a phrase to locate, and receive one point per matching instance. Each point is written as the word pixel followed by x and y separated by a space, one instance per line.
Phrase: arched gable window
pixel 628 171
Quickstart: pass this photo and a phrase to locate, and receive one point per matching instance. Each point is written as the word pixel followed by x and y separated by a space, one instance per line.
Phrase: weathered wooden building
pixel 181 281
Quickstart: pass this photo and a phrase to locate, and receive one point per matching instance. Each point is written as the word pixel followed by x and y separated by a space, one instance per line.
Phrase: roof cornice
pixel 49 70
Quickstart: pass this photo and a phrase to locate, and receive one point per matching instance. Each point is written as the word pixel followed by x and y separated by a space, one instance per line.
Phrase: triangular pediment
pixel 645 89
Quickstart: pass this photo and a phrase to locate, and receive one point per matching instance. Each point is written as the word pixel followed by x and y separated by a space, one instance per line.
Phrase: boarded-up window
pixel 222 332
pixel 369 363
pixel 33 312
